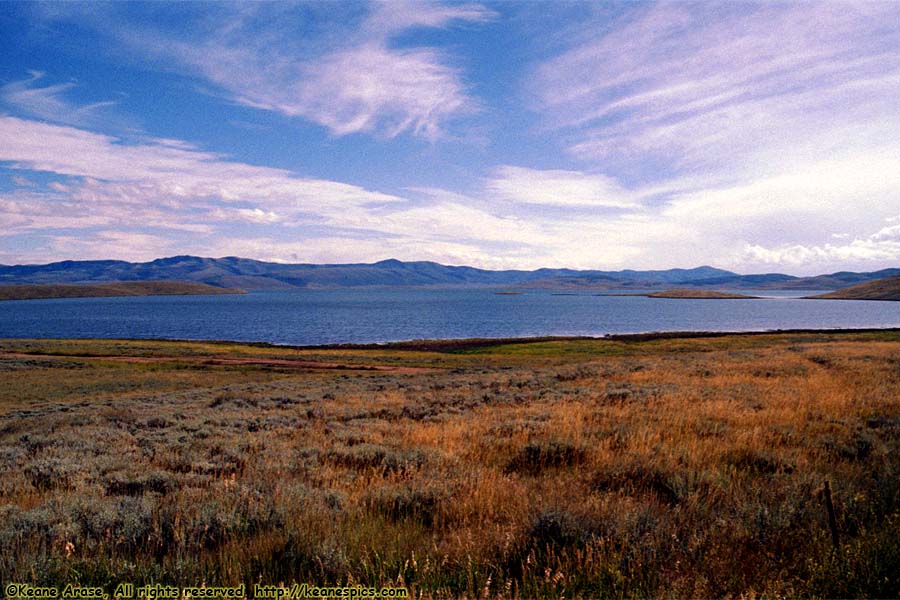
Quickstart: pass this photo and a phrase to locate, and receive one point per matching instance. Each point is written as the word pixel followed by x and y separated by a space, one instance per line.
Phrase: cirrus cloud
pixel 714 84
pixel 348 78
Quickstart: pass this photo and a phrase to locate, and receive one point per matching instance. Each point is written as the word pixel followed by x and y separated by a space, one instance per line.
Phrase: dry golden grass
pixel 675 467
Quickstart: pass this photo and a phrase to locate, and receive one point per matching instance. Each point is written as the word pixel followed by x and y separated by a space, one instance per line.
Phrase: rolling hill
pixel 234 272
pixel 258 275
pixel 887 288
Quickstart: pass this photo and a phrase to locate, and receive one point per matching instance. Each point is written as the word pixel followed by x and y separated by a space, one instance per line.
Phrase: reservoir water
pixel 368 316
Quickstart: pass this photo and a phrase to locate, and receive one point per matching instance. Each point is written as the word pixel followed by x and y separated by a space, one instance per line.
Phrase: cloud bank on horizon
pixel 752 136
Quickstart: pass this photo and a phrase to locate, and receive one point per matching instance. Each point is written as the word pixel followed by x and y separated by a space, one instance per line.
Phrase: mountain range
pixel 248 274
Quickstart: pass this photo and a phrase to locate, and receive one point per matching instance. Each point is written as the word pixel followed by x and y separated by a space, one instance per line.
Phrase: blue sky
pixel 750 136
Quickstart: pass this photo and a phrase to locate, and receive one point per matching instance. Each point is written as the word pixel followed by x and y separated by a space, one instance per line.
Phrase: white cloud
pixel 449 221
pixel 557 187
pixel 346 249
pixel 195 201
pixel 391 16
pixel 256 215
pixel 48 102
pixel 35 211
pixel 764 134
pixel 860 254
pixel 355 80
pixel 706 85
pixel 374 88
pixel 124 245
pixel 191 201
pixel 890 233
pixel 165 173
pixel 181 194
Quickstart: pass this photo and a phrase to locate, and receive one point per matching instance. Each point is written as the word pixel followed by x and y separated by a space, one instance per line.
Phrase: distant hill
pixel 759 281
pixel 887 288
pixel 623 280
pixel 844 278
pixel 130 288
pixel 778 281
pixel 233 272
pixel 258 275
pixel 763 281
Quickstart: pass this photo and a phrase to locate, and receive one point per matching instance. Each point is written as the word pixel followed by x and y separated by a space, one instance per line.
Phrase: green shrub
pixel 159 482
pixel 50 473
pixel 557 528
pixel 373 456
pixel 537 456
pixel 406 502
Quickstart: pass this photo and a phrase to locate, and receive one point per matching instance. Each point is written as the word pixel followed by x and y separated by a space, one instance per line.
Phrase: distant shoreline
pixel 467 343
pixel 111 290
pixel 456 344
pixel 690 294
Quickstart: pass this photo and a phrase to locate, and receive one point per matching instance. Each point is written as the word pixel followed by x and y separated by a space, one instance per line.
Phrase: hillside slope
pixel 248 274
pixel 887 288
pixel 259 275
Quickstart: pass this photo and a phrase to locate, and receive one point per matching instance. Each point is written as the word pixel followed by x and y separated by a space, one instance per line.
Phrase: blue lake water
pixel 365 316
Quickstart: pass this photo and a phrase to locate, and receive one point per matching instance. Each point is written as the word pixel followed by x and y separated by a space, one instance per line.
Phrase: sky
pixel 751 136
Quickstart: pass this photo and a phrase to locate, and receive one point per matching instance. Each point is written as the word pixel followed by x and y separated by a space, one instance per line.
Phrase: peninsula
pixel 119 288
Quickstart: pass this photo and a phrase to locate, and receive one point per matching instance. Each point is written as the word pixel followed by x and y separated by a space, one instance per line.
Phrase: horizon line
pixel 396 260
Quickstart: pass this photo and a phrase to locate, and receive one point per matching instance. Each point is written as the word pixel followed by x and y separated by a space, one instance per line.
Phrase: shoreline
pixel 455 344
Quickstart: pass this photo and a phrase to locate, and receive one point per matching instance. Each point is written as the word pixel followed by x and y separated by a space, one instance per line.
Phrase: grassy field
pixel 632 467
